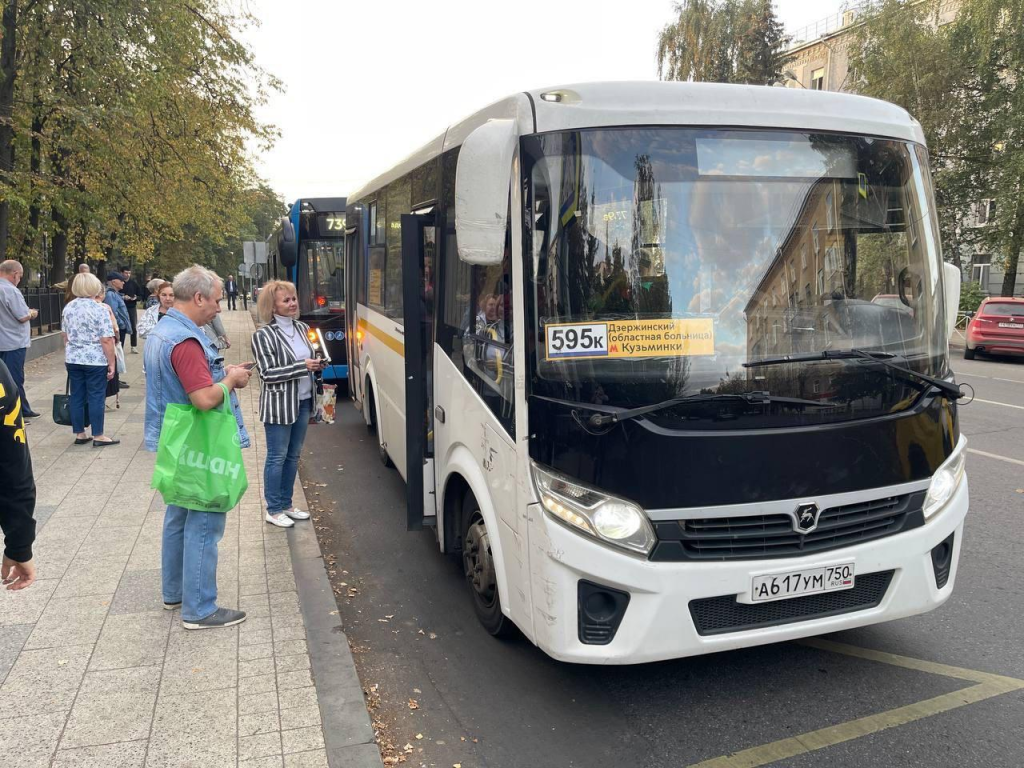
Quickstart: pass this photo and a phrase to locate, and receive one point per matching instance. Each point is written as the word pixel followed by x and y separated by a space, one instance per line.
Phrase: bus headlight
pixel 946 480
pixel 611 520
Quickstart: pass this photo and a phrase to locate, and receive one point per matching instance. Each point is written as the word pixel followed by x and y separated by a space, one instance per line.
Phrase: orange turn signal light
pixel 359 335
pixel 311 335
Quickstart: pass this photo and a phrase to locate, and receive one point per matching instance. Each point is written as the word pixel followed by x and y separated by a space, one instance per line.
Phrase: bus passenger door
pixel 419 236
pixel 353 277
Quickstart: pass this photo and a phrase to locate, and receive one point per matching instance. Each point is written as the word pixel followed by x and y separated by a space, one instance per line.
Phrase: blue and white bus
pixel 307 248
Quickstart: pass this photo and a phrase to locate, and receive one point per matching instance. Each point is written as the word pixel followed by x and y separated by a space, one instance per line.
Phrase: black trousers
pixel 232 299
pixel 134 315
pixel 124 334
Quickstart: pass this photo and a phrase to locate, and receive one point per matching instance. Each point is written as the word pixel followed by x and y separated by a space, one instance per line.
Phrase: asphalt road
pixel 476 701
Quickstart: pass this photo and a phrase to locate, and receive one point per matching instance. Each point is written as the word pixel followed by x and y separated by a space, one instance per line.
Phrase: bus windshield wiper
pixel 948 389
pixel 753 398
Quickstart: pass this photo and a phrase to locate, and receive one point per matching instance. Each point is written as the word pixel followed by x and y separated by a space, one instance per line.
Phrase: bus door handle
pixel 439 413
pixel 400 330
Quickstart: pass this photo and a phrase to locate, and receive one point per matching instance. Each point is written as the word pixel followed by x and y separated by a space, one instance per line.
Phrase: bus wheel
pixel 478 564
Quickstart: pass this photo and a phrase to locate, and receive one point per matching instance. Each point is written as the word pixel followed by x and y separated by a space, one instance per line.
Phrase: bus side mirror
pixel 482 181
pixel 951 277
pixel 287 248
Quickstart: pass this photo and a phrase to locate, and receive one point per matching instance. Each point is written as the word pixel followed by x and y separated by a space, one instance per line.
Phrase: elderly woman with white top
pixel 286 364
pixel 89 357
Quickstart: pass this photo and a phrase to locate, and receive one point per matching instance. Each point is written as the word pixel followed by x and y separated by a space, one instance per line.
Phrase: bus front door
pixel 419 237
pixel 353 272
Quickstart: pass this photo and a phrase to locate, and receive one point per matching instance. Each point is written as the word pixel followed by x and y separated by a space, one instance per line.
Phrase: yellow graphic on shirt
pixel 13 419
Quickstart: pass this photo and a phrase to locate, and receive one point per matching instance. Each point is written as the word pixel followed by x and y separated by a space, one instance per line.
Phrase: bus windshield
pixel 661 260
pixel 325 264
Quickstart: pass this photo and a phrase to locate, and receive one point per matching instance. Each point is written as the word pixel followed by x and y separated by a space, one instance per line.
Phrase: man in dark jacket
pixel 131 293
pixel 19 489
pixel 231 289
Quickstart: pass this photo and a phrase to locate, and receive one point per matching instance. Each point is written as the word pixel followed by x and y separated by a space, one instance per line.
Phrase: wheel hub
pixel 477 560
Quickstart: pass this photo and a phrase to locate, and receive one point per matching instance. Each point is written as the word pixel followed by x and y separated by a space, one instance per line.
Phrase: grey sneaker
pixel 171 606
pixel 222 617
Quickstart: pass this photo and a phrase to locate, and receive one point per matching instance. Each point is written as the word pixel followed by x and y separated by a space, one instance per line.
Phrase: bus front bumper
pixel 657 622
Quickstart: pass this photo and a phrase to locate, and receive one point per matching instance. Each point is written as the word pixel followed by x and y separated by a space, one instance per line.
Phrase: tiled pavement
pixel 94 672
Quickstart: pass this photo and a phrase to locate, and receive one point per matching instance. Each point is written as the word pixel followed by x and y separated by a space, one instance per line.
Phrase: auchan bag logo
pixel 216 466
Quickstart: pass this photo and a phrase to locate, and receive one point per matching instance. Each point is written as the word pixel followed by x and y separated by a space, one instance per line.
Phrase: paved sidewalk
pixel 95 673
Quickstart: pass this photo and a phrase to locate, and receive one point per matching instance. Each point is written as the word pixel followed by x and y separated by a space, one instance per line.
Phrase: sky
pixel 365 84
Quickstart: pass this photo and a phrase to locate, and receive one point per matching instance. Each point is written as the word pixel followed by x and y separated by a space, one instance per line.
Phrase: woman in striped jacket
pixel 286 364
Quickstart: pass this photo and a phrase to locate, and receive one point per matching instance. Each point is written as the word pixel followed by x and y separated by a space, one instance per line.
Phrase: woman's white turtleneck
pixel 300 348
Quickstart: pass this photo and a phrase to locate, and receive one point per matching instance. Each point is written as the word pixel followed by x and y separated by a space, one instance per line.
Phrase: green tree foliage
pixel 723 41
pixel 126 131
pixel 964 81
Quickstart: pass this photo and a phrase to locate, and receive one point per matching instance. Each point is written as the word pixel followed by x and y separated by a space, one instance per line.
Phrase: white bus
pixel 621 340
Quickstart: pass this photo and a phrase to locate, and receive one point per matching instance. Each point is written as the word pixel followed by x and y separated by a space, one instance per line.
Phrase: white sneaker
pixel 297 514
pixel 281 520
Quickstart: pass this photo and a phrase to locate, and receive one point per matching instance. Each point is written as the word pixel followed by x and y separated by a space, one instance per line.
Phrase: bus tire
pixel 481 576
pixel 374 429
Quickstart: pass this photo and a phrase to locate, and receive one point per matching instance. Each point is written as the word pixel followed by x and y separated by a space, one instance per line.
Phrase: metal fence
pixel 48 302
pixel 850 13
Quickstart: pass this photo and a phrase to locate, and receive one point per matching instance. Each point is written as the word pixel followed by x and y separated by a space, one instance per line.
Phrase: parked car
pixel 997 327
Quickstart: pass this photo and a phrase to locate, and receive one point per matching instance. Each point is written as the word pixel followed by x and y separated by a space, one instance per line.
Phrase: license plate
pixel 1012 325
pixel 780 586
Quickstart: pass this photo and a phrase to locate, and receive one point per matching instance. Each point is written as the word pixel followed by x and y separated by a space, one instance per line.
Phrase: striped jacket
pixel 280 372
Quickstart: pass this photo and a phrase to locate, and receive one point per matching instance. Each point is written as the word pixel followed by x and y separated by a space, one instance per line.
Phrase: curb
pixel 348 733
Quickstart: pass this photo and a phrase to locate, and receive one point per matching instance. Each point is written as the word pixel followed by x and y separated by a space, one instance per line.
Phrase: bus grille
pixel 763 536
pixel 718 615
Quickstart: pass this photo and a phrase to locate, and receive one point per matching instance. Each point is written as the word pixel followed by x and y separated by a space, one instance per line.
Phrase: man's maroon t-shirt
pixel 189 362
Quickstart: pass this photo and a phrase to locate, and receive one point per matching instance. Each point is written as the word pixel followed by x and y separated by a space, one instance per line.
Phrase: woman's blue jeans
pixel 88 385
pixel 284 446
pixel 189 560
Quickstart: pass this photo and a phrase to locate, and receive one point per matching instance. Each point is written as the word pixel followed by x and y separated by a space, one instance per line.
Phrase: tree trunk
pixel 8 73
pixel 35 163
pixel 59 252
pixel 1016 244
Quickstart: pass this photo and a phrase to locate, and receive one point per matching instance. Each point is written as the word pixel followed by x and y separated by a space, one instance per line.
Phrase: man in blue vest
pixel 184 366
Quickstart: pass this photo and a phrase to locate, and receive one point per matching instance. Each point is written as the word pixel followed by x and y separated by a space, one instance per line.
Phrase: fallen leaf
pixel 62 662
pixel 408 748
pixel 419 735
pixel 413 704
pixel 416 690
pixel 432 636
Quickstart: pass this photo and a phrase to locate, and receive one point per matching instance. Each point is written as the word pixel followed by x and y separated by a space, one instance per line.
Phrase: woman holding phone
pixel 287 365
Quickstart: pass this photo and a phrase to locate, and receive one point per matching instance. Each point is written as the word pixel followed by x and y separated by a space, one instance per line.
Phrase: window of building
pixel 818 79
pixel 830 213
pixel 803 255
pixel 985 212
pixel 814 238
pixel 376 278
pixel 821 282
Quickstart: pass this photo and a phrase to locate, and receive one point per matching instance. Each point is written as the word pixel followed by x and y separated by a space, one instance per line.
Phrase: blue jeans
pixel 88 387
pixel 189 560
pixel 14 359
pixel 284 445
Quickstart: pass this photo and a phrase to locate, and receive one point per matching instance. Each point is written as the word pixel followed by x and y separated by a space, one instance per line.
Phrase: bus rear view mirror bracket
pixel 482 182
pixel 287 246
pixel 952 279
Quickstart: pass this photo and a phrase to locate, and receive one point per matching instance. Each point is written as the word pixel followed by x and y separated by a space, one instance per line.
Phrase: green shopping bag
pixel 199 458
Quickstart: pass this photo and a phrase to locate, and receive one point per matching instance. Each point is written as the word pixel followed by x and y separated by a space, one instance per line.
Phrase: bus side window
pixel 475 316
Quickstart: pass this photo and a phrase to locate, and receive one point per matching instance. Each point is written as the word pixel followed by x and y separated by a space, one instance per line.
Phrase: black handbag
pixel 62 407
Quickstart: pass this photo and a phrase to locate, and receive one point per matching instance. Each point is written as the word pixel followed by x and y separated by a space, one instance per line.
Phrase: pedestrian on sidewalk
pixel 182 366
pixel 113 384
pixel 231 287
pixel 15 328
pixel 287 365
pixel 89 339
pixel 17 570
pixel 131 294
pixel 154 314
pixel 215 332
pixel 113 299
pixel 153 286
pixel 68 295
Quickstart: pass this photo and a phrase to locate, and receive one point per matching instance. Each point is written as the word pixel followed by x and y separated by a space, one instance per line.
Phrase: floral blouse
pixel 86 322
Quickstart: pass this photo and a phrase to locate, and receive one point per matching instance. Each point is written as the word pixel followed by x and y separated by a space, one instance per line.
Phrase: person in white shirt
pixel 15 328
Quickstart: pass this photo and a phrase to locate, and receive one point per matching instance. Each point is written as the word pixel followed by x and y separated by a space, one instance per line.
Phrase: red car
pixel 997 327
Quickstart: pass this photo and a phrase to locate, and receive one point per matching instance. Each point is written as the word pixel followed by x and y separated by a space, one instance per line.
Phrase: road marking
pixel 993 378
pixel 995 456
pixel 993 402
pixel 987 686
